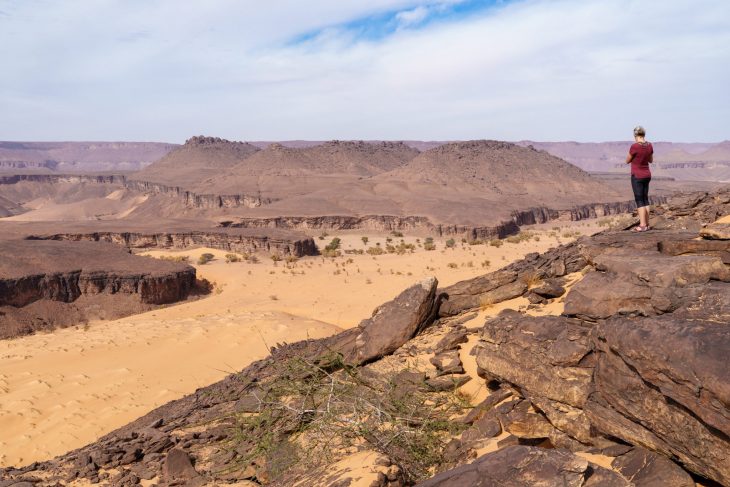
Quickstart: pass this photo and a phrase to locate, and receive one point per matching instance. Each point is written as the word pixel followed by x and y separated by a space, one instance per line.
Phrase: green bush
pixel 205 258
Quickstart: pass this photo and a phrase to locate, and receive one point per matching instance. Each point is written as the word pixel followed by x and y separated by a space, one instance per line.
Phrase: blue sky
pixel 379 69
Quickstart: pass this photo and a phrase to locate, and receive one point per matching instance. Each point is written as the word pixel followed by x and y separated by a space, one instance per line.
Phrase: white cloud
pixel 539 69
pixel 414 16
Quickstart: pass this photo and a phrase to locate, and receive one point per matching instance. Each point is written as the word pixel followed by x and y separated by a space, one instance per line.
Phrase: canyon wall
pixel 232 242
pixel 390 223
pixel 188 198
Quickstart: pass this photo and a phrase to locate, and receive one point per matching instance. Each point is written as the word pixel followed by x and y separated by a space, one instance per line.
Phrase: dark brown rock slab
pixel 648 469
pixel 663 383
pixel 178 467
pixel 448 382
pixel 680 247
pixel 549 288
pixel 397 321
pixel 523 466
pixel 452 340
pixel 544 356
pixel 661 270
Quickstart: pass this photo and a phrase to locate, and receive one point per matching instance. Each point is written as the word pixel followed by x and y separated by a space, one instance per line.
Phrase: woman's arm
pixel 629 158
pixel 651 157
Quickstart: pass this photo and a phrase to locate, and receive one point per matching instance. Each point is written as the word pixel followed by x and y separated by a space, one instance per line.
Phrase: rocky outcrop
pixel 56 179
pixel 39 280
pixel 524 466
pixel 198 201
pixel 411 223
pixel 396 322
pixel 218 239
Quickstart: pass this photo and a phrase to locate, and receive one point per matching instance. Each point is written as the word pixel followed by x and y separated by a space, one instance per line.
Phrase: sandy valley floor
pixel 61 390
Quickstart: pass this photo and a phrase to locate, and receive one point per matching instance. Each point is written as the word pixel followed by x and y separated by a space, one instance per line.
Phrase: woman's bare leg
pixel 643 216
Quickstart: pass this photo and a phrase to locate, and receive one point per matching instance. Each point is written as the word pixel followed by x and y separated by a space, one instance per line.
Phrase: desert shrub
pixel 290 259
pixel 232 258
pixel 429 246
pixel 532 279
pixel 275 257
pixel 452 265
pixel 397 234
pixel 470 264
pixel 450 243
pixel 175 258
pixel 375 251
pixel 310 411
pixel 365 240
pixel 205 258
pixel 495 242
pixel 253 260
pixel 476 242
pixel 486 263
pixel 388 239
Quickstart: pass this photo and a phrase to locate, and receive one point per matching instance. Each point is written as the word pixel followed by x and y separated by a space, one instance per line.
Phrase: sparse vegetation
pixel 205 258
pixel 495 242
pixel 452 265
pixel 397 234
pixel 175 258
pixel 310 411
pixel 375 251
pixel 450 243
pixel 485 264
pixel 276 257
pixel 232 258
pixel 365 240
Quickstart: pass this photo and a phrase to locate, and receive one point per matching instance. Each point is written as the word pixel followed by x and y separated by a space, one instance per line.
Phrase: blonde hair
pixel 639 131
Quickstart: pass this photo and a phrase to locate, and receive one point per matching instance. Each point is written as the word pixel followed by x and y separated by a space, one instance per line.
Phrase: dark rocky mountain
pixel 199 159
pixel 632 373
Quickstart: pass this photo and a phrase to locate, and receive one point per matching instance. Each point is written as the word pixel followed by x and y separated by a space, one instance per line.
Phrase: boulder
pixel 178 467
pixel 452 340
pixel 525 466
pixel 394 323
pixel 716 231
pixel 549 288
pixel 448 363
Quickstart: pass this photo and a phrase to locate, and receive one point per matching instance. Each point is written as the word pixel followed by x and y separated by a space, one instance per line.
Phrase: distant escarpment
pixel 188 198
pixel 233 240
pixel 415 223
pixel 48 284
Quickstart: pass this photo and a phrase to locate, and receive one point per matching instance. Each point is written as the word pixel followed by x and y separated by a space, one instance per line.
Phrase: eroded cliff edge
pixel 44 284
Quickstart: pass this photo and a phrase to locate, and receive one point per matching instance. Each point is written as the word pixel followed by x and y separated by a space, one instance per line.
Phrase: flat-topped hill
pixel 499 168
pixel 200 158
pixel 280 171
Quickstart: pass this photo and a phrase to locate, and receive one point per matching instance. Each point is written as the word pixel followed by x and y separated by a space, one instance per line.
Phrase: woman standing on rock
pixel 641 154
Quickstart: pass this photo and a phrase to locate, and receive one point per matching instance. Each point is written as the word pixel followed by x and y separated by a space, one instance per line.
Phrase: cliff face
pixel 45 284
pixel 69 286
pixel 409 223
pixel 180 240
pixel 188 198
pixel 198 201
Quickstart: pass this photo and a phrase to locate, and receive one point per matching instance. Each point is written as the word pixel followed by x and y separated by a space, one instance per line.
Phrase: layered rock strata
pixel 40 279
pixel 242 242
